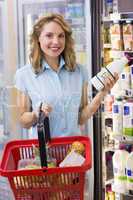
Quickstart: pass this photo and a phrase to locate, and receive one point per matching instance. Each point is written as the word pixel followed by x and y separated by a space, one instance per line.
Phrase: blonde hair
pixel 36 54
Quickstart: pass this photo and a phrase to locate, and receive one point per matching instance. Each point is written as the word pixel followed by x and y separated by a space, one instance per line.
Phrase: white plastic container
pixel 117 114
pixel 125 81
pixel 128 118
pixel 115 66
pixel 129 171
pixel 131 72
pixel 119 168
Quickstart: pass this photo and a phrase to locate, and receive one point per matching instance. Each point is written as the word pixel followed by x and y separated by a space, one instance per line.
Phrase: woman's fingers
pixel 110 81
pixel 46 108
pixel 116 76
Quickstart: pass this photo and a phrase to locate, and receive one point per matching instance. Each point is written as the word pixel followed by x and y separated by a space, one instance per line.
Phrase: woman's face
pixel 52 40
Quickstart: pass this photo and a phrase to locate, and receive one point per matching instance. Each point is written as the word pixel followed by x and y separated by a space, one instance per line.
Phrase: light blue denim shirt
pixel 62 90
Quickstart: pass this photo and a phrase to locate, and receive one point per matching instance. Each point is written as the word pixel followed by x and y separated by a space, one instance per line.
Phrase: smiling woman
pixel 52 36
pixel 55 79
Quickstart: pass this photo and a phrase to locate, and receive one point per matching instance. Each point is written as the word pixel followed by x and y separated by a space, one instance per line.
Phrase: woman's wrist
pixel 102 94
pixel 34 117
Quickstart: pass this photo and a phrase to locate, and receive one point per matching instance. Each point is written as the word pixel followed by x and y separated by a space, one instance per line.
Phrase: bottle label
pixel 115 108
pixel 128 131
pixel 102 75
pixel 130 175
pixel 126 110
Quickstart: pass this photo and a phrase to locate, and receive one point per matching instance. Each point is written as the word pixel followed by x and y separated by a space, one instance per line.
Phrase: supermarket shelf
pixel 108 182
pixel 124 138
pixel 109 149
pixel 107 114
pixel 121 191
pixel 119 17
pixel 107 46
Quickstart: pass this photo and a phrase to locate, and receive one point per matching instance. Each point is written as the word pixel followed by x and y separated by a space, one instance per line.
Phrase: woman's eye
pixel 61 36
pixel 49 35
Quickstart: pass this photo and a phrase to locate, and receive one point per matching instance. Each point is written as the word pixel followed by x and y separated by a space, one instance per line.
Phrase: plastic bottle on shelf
pixel 115 66
pixel 117 114
pixel 128 118
pixel 125 79
pixel 128 35
pixel 131 74
pixel 108 101
pixel 109 6
pixel 119 168
pixel 129 171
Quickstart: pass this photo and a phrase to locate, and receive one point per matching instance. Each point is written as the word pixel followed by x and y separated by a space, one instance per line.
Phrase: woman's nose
pixel 55 40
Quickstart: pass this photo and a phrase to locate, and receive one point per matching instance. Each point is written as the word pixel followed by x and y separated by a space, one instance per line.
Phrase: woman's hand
pixel 46 108
pixel 109 83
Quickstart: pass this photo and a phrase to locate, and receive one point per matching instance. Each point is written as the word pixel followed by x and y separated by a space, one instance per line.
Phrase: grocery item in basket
pixel 78 147
pixel 72 159
pixel 28 163
pixel 51 162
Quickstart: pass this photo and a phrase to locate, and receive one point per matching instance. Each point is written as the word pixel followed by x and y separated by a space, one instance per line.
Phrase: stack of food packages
pixel 117 38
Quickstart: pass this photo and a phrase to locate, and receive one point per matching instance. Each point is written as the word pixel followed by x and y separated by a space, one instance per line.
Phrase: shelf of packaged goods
pixel 107 46
pixel 107 115
pixel 107 149
pixel 109 182
pixel 118 17
pixel 121 191
pixel 124 139
pixel 116 54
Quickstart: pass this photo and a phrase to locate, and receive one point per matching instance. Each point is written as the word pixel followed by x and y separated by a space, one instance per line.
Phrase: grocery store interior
pixel 103 35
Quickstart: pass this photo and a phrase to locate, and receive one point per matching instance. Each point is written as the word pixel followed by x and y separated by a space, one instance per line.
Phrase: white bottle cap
pixel 125 60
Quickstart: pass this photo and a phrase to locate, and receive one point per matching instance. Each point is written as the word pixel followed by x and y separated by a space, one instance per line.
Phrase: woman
pixel 54 78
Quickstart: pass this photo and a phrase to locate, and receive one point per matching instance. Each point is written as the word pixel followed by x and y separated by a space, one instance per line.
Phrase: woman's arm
pixel 86 111
pixel 25 117
pixel 91 108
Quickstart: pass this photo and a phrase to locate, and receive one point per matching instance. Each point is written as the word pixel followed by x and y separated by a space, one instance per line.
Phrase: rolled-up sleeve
pixel 84 72
pixel 19 82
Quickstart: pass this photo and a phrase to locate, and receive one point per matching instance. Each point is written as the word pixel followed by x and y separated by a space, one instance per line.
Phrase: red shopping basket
pixel 58 183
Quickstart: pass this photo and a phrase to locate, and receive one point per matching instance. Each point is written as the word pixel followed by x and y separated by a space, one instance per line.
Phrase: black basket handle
pixel 43 130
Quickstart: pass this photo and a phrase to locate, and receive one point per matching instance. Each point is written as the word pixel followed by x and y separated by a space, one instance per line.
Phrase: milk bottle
pixel 115 66
pixel 125 79
pixel 117 114
pixel 129 171
pixel 119 168
pixel 128 118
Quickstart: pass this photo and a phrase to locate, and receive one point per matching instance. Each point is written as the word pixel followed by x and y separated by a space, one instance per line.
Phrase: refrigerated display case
pixel 117 38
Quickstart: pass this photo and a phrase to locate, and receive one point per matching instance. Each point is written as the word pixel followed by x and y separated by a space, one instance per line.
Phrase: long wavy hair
pixel 36 55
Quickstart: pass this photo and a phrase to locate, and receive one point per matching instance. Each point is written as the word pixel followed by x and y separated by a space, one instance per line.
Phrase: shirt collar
pixel 45 65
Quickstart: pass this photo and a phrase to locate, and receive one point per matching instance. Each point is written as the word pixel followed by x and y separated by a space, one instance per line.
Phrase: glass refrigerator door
pixel 29 11
pixel 78 14
pixel 5 192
